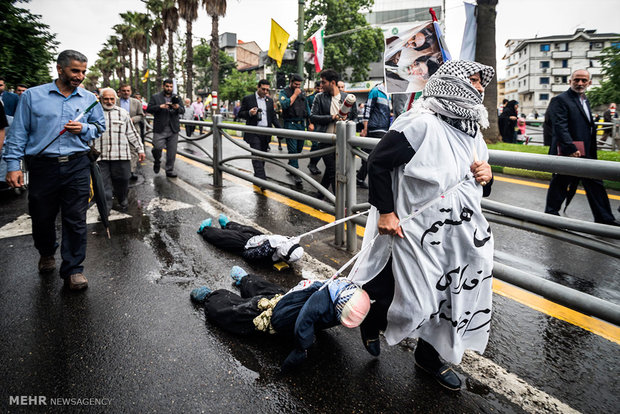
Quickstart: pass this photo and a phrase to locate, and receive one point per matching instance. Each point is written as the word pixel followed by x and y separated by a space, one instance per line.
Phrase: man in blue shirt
pixel 60 171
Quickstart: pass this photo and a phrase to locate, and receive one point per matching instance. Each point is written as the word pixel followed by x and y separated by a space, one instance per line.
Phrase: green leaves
pixel 237 85
pixel 26 46
pixel 355 49
pixel 609 89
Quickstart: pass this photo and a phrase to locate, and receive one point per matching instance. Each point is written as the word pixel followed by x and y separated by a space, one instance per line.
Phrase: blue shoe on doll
pixel 237 274
pixel 199 295
pixel 205 223
pixel 223 219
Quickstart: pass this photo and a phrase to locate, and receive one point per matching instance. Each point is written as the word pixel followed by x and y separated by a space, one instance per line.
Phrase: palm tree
pixel 188 10
pixel 170 16
pixel 136 35
pixel 485 53
pixel 124 46
pixel 158 33
pixel 215 9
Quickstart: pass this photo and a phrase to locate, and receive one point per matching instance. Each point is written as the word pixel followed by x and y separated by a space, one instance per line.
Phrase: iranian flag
pixel 319 49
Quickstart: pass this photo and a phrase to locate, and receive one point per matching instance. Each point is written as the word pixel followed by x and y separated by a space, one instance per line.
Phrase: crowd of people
pixel 421 275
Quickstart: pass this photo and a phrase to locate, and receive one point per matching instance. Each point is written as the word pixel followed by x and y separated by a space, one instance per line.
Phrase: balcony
pixel 560 71
pixel 595 71
pixel 593 54
pixel 562 55
pixel 559 87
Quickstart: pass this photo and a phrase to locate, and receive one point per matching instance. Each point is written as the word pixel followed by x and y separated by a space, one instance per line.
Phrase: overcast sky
pixel 84 25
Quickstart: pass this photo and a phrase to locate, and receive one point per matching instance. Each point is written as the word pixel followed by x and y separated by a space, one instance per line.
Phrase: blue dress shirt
pixel 41 114
pixel 124 104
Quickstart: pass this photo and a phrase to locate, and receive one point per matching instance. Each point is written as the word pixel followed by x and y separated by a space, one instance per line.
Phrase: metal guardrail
pixel 344 201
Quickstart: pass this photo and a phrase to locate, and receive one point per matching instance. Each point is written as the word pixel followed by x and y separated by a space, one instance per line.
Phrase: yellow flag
pixel 146 76
pixel 278 42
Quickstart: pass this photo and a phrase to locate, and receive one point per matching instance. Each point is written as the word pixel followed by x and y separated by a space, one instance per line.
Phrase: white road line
pixel 22 225
pixel 474 365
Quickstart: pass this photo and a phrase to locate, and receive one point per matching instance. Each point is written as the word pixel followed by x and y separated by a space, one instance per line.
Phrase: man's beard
pixel 107 107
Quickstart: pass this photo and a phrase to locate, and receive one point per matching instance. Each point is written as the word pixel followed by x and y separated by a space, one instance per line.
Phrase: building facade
pixel 538 69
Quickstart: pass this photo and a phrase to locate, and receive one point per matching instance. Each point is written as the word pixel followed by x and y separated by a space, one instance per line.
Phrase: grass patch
pixel 542 175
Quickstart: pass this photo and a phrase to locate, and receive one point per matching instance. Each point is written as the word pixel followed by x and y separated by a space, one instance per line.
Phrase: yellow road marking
pixel 531 300
pixel 540 185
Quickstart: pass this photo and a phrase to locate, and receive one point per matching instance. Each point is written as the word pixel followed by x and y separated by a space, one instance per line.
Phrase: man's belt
pixel 61 159
pixel 294 121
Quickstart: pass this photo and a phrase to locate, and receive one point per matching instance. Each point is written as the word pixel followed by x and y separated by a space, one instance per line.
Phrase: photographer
pixel 166 108
pixel 257 110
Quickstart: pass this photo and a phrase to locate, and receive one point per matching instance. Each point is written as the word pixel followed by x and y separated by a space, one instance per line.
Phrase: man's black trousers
pixel 235 313
pixel 231 238
pixel 58 186
pixel 258 142
pixel 595 193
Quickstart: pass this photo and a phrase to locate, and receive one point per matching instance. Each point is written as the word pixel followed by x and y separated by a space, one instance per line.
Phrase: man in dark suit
pixel 166 108
pixel 257 109
pixel 572 125
pixel 9 99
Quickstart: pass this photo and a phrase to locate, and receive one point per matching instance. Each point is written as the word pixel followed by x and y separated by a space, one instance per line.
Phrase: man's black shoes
pixel 314 170
pixel 171 174
pixel 444 375
pixel 156 167
pixel 371 342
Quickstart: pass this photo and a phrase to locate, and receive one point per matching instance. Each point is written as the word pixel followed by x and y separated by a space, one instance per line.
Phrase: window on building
pixel 543 97
pixel 616 45
pixel 545 47
pixel 544 81
pixel 564 63
pixel 591 63
pixel 544 64
pixel 564 79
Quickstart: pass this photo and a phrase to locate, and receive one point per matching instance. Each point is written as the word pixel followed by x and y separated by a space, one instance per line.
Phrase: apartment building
pixel 538 69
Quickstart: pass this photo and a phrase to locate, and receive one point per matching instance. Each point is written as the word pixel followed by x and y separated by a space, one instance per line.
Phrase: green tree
pixel 354 50
pixel 158 35
pixel 237 85
pixel 204 67
pixel 609 89
pixel 26 46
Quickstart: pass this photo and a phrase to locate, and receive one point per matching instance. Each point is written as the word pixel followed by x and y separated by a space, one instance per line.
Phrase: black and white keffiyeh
pixel 450 95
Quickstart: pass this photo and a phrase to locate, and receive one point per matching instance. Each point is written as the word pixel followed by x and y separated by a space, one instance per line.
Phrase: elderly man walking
pixel 116 145
pixel 574 135
pixel 59 168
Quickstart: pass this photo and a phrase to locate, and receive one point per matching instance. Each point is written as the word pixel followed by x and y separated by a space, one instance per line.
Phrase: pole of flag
pixel 445 53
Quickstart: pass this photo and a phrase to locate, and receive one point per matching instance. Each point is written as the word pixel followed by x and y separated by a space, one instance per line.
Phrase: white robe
pixel 443 266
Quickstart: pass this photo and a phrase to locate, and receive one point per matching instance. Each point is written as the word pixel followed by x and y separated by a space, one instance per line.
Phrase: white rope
pixel 406 218
pixel 333 223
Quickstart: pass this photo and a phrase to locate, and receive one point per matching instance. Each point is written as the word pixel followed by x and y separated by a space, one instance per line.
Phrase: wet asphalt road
pixel 134 339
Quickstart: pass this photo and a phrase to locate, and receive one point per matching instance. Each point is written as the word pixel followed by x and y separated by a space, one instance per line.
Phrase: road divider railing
pixel 344 202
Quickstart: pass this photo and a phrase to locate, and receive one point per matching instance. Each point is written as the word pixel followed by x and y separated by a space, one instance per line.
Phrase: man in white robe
pixel 427 254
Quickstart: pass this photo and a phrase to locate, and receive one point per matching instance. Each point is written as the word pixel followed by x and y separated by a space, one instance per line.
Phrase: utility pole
pixel 300 39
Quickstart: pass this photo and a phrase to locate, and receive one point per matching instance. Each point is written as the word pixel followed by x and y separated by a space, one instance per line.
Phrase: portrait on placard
pixel 411 57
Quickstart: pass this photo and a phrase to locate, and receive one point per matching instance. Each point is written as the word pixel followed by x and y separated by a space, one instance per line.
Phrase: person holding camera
pixel 257 110
pixel 166 108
